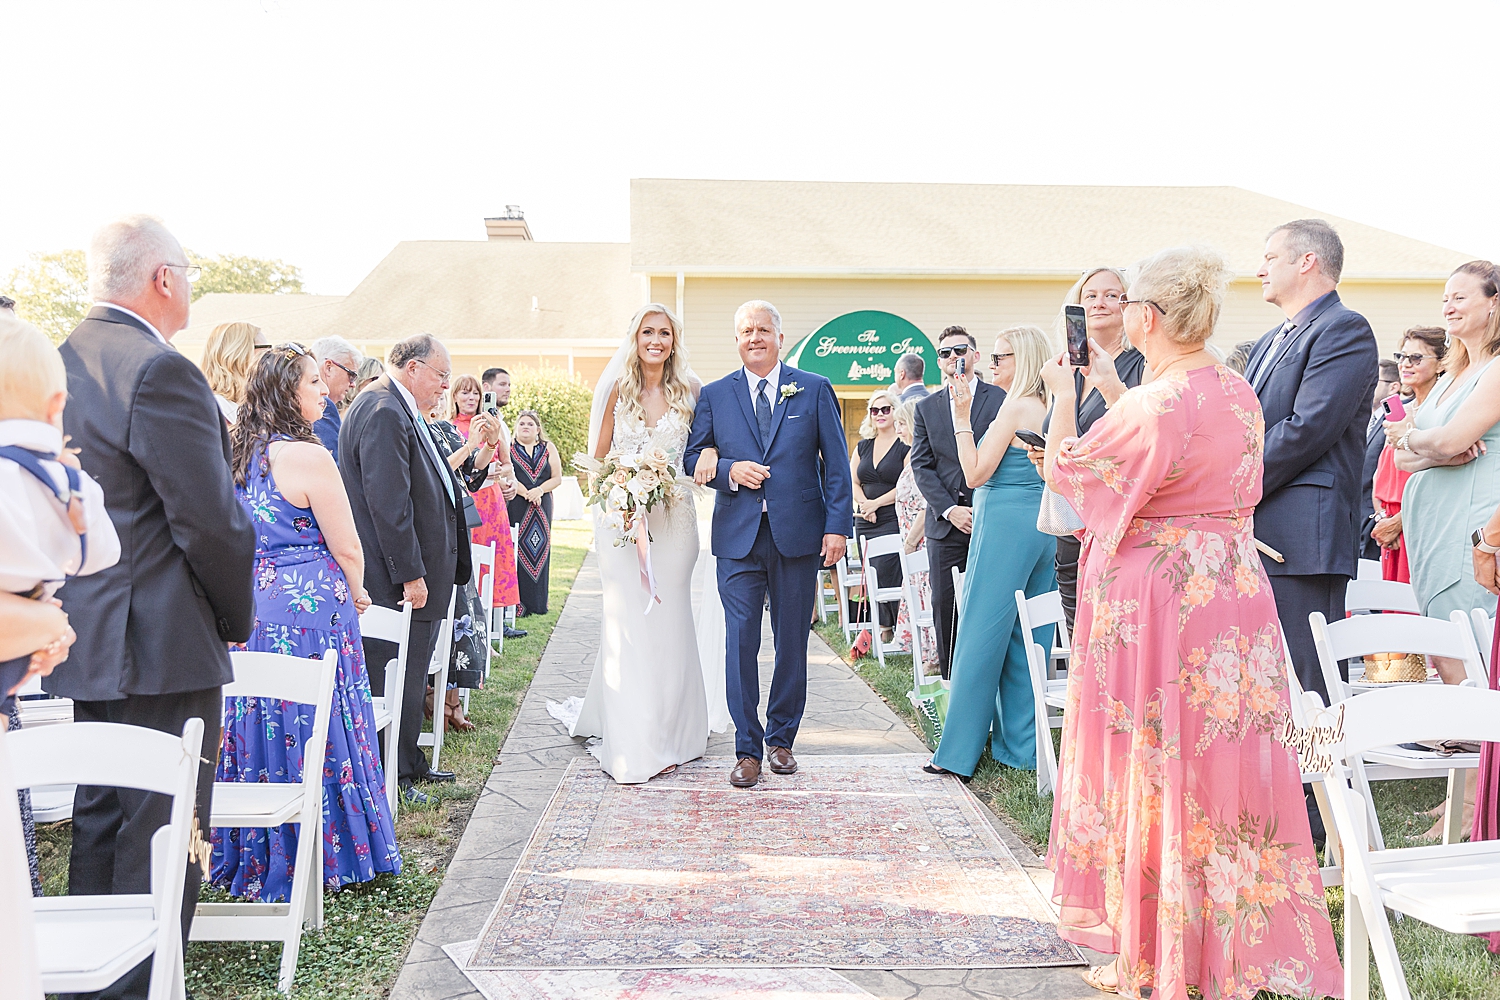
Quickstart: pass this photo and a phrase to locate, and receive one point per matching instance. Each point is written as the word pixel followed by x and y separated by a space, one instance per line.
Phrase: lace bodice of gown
pixel 632 435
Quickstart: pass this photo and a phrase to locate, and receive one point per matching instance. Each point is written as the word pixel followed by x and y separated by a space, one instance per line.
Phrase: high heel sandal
pixel 453 713
pixel 932 768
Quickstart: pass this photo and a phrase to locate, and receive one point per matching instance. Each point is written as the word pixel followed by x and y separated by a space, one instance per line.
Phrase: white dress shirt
pixel 37 540
pixel 953 415
pixel 134 316
pixel 773 387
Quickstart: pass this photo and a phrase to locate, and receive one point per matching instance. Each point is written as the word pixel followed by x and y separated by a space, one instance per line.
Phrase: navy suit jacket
pixel 808 494
pixel 327 427
pixel 1316 401
pixel 157 621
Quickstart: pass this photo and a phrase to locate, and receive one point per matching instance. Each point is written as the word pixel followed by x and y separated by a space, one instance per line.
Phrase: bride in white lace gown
pixel 647 701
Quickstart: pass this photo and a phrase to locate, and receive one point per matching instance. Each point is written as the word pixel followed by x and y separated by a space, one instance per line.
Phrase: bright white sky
pixel 324 133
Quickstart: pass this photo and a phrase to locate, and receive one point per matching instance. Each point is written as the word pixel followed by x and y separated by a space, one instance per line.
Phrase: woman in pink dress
pixel 465 396
pixel 1179 832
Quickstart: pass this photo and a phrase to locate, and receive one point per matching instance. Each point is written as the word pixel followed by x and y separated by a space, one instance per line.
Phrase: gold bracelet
pixel 966 430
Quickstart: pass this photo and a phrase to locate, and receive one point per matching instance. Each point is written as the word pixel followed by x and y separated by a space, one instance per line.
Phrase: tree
pixel 52 289
pixel 51 292
pixel 237 274
pixel 561 401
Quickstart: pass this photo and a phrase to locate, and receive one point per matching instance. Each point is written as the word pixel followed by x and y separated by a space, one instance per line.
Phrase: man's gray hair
pixel 755 306
pixel 1316 237
pixel 418 347
pixel 911 365
pixel 124 256
pixel 337 349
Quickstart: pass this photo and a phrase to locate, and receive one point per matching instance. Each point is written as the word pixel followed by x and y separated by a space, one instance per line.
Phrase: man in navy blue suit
pixel 784 506
pixel 1315 375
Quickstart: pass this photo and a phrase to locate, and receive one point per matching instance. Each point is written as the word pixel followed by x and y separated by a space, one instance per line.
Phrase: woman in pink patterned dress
pixel 911 514
pixel 1179 832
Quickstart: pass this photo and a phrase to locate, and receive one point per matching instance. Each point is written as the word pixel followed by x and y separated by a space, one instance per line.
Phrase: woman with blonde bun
pixel 1180 835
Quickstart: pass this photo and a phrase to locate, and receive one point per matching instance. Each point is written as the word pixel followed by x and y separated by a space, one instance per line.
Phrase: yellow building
pixel 930 255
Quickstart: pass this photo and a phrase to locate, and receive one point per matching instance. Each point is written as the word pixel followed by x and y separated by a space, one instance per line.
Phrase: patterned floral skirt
pixel 264 740
pixel 496 528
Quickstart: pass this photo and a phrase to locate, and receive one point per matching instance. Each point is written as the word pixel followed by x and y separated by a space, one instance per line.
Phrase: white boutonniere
pixel 789 390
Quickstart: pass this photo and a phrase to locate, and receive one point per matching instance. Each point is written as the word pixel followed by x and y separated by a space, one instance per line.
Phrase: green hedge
pixel 560 400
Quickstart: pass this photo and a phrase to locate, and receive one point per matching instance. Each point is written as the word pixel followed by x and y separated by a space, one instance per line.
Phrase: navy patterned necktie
pixel 763 414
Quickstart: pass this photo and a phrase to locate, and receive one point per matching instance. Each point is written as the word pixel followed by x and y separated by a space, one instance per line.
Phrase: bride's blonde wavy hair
pixel 674 381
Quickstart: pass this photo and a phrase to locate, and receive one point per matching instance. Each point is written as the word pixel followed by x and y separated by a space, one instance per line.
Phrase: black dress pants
pixel 1296 598
pixel 1066 563
pixel 112 827
pixel 411 762
pixel 943 554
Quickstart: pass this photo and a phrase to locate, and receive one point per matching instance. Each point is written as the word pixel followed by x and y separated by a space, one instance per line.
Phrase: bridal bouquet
pixel 628 487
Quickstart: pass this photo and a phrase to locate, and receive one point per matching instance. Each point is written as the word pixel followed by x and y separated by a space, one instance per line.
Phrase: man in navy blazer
pixel 784 507
pixel 1315 375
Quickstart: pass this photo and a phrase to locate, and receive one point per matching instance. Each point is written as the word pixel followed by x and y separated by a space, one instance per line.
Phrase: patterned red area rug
pixel 855 861
pixel 644 984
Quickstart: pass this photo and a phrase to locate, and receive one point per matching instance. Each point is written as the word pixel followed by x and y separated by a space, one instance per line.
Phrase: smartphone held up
pixel 1078 336
pixel 1394 408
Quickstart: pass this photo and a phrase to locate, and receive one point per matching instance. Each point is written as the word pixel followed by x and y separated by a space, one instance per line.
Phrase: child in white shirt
pixel 53 523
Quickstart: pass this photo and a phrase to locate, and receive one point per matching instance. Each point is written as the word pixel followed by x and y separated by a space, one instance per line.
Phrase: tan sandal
pixel 1095 978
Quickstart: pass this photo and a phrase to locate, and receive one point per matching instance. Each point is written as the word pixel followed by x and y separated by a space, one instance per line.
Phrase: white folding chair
pixel 85 943
pixel 265 805
pixel 49 803
pixel 1484 634
pixel 392 626
pixel 1354 637
pixel 508 614
pixel 1369 569
pixel 1381 595
pixel 1033 613
pixel 846 574
pixel 437 669
pixel 828 593
pixel 875 595
pixel 484 559
pixel 918 614
pixel 1455 887
pixel 958 587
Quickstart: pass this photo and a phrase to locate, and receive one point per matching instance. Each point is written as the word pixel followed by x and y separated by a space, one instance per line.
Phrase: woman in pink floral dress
pixel 1179 832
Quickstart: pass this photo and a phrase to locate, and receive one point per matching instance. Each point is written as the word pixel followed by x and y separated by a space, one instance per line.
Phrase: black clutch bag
pixel 472 519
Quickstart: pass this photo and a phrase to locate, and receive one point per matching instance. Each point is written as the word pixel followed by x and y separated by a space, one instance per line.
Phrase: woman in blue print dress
pixel 309 593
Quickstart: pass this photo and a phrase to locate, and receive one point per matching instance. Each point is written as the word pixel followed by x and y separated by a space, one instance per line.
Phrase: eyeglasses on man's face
pixel 957 350
pixel 192 272
pixel 440 374
pixel 995 359
pixel 1142 302
pixel 880 411
pixel 347 371
pixel 1410 359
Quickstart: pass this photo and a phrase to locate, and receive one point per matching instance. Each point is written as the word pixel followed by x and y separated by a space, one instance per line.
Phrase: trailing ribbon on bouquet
pixel 643 553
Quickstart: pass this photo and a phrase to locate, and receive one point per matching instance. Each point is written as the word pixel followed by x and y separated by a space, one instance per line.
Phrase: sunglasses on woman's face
pixel 957 350
pixel 879 411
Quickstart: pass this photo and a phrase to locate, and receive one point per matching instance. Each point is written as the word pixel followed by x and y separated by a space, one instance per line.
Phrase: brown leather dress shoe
pixel 745 773
pixel 782 761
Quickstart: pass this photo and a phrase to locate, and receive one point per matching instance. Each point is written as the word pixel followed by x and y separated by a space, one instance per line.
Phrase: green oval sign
pixel 861 348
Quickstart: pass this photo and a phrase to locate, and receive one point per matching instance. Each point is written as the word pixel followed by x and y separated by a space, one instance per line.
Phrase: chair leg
pixel 1332 846
pixel 1453 809
pixel 1356 950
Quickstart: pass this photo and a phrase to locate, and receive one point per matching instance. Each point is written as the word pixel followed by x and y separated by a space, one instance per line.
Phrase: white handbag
pixel 1057 516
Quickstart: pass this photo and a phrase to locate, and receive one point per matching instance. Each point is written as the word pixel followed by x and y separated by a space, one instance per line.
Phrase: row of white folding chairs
pixel 49 803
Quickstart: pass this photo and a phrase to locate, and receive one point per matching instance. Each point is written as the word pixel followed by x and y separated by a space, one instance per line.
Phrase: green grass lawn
pixel 1438 965
pixel 368 928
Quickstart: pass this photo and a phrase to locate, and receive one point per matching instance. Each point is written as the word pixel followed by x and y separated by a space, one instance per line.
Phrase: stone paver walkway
pixel 843 716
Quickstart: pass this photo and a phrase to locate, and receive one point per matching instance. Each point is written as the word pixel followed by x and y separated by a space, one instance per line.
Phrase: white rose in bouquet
pixel 648 479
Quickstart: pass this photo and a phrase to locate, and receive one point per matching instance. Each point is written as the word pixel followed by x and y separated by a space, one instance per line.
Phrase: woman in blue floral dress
pixel 309 593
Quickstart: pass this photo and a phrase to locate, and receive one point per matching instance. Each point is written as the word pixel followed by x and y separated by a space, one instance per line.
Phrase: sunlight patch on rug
pixel 853 862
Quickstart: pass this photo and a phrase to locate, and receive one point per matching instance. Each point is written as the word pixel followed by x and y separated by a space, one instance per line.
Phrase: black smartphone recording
pixel 1078 336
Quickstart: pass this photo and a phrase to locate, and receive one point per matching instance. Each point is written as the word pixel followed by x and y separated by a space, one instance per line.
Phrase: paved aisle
pixel 843 716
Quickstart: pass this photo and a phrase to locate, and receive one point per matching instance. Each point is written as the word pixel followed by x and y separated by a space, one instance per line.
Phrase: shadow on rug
pixel 853 862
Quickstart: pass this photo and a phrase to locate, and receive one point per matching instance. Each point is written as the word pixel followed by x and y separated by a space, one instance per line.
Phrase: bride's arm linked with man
pixel 782 510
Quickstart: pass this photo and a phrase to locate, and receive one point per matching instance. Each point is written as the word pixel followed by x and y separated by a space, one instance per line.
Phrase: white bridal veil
pixel 710 616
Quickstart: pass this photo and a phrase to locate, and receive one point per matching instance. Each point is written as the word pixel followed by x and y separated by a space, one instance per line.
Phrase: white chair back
pixel 85 943
pixel 1033 613
pixel 1381 595
pixel 392 626
pixel 872 549
pixel 918 614
pixel 1369 569
pixel 1363 634
pixel 484 559
pixel 1484 634
pixel 437 669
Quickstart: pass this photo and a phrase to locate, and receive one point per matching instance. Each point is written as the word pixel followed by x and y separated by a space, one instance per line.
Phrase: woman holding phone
pixel 991 681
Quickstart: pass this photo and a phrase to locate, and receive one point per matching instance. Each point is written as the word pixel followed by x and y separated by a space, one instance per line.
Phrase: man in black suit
pixel 909 370
pixel 152 628
pixel 409 513
pixel 1315 375
pixel 1390 381
pixel 940 477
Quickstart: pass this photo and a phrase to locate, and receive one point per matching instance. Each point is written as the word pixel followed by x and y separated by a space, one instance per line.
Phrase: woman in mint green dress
pixel 990 699
pixel 1453 446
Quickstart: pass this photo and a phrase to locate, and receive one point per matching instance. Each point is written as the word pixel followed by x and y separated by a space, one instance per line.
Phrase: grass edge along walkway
pixel 1438 965
pixel 369 927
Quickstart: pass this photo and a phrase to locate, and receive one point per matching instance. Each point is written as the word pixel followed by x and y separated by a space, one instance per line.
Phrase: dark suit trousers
pixel 1296 598
pixel 1068 551
pixel 791 582
pixel 411 762
pixel 943 554
pixel 112 827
